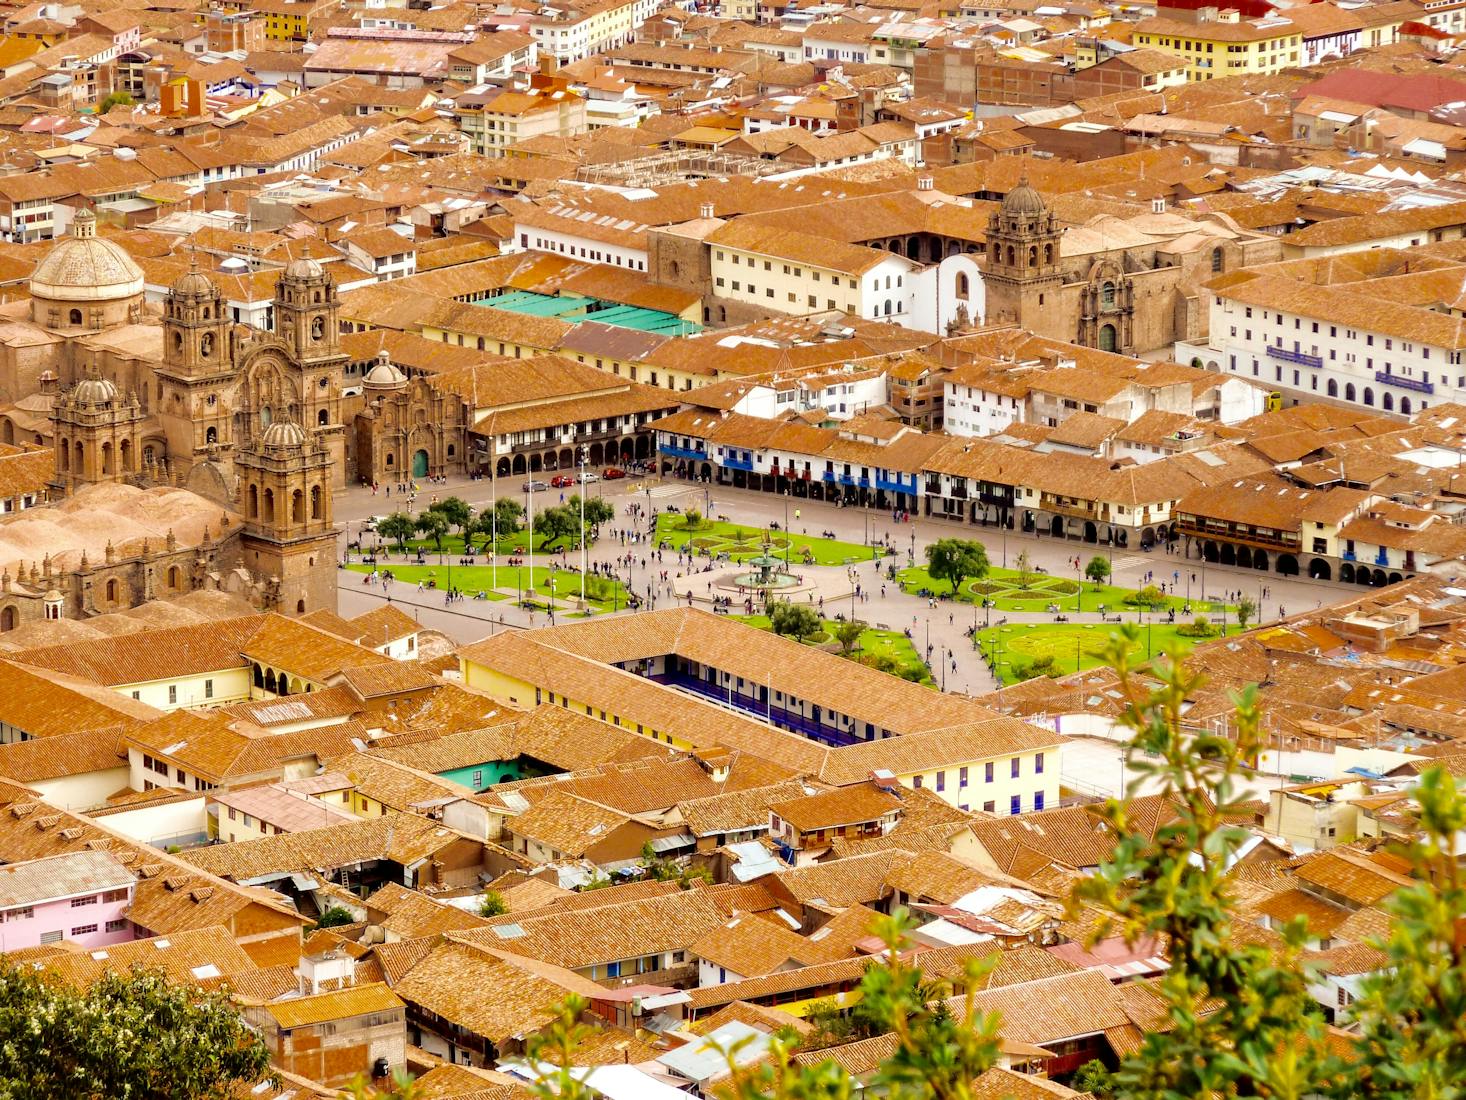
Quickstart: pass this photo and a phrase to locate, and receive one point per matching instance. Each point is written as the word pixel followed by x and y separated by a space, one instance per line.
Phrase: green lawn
pixel 512 580
pixel 743 541
pixel 1023 643
pixel 883 645
pixel 1005 588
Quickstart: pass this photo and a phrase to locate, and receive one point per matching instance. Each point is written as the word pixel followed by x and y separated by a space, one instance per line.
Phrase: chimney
pixel 705 210
pixel 924 183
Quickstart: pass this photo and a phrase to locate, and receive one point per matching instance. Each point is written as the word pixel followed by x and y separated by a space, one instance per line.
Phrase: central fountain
pixel 769 573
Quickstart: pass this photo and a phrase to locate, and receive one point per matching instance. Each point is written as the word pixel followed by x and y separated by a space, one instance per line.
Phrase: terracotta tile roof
pixel 751 946
pixel 1023 963
pixel 44 704
pixel 1361 878
pixel 451 981
pixel 182 955
pixel 401 838
pixel 64 754
pixel 340 1004
pixel 854 881
pixel 831 809
pixel 735 811
pixel 151 654
pixel 305 651
pixel 566 824
pixel 1050 1010
pixel 382 625
pixel 607 933
pixel 411 914
pixel 212 747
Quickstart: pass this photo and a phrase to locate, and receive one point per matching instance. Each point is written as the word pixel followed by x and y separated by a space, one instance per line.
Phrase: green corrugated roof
pixel 576 307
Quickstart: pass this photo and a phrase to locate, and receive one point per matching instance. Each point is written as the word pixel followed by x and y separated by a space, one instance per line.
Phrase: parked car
pixel 611 473
pixel 561 481
pixel 587 476
pixel 535 486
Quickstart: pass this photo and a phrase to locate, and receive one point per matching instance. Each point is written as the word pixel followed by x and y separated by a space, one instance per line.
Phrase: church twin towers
pixel 249 415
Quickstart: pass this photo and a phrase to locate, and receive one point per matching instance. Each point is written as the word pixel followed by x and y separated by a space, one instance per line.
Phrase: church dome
pixel 1024 201
pixel 85 268
pixel 385 375
pixel 94 391
pixel 303 267
pixel 283 433
pixel 193 282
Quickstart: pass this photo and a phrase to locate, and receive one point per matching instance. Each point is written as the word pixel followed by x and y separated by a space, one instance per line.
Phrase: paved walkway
pixel 938 630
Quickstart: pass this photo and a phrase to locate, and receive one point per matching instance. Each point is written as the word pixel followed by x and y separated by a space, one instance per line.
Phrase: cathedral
pixel 249 421
pixel 1131 285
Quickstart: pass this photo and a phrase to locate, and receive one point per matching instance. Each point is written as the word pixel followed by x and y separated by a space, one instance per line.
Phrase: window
pixel 233 814
pixel 172 693
pixel 1038 800
pixel 1015 804
pixel 83 929
pixel 1013 768
pixel 51 937
pixel 115 896
pixel 941 781
pixel 208 689
pixel 90 899
pixel 988 772
pixel 962 777
pixel 478 779
pixel 117 925
pixel 1038 763
pixel 916 781
pixel 25 912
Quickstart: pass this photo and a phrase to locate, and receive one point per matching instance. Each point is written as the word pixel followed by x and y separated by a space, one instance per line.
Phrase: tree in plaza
pixel 847 634
pixel 794 620
pixel 597 512
pixel 504 517
pixel 1246 611
pixel 434 525
pixel 956 560
pixel 399 527
pixel 692 519
pixel 129 1035
pixel 1024 565
pixel 557 523
pixel 1098 569
pixel 459 514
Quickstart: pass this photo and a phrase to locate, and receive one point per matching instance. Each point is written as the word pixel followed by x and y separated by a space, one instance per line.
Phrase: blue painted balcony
pixel 758 709
pixel 737 463
pixel 1388 379
pixel 686 453
pixel 1299 357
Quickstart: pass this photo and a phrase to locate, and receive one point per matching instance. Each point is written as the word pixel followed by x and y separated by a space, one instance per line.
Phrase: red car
pixel 611 473
pixel 561 481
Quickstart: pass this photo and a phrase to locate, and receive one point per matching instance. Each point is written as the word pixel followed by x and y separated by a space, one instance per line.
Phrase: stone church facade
pixel 250 421
pixel 1129 285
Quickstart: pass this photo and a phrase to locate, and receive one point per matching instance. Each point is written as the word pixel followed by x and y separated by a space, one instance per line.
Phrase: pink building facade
pixel 82 896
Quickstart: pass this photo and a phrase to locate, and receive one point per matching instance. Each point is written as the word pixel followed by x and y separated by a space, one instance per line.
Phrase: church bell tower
pixel 288 543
